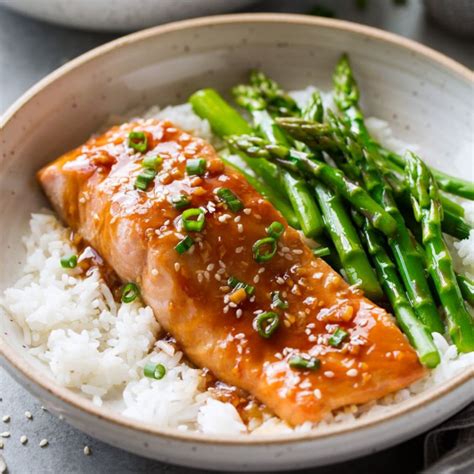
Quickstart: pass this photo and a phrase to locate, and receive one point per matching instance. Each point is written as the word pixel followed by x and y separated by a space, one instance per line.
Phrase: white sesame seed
pixel 352 373
pixel 280 281
pixel 226 309
pixel 154 272
pixel 240 228
pixel 247 211
pixel 217 277
pixel 239 313
pixel 207 275
pixel 43 443
pixel 237 219
pixel 261 270
pixel 5 434
pixel 6 418
pixel 329 374
pixel 200 277
pixel 210 267
pixel 256 278
pixel 239 249
pixel 317 393
pixel 23 439
pixel 177 266
pixel 297 251
pixel 87 451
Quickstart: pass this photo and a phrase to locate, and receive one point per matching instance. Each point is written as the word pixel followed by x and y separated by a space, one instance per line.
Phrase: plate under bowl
pixel 422 93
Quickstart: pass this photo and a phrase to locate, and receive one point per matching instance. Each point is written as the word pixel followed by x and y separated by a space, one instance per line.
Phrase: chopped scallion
pixel 130 292
pixel 266 323
pixel 69 262
pixel 321 252
pixel 152 162
pixel 236 284
pixel 232 201
pixel 338 337
pixel 196 166
pixel 264 249
pixel 193 219
pixel 138 141
pixel 184 245
pixel 304 363
pixel 275 229
pixel 278 301
pixel 145 178
pixel 180 201
pixel 154 371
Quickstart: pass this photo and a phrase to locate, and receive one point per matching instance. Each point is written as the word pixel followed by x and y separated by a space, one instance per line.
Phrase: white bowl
pixel 422 93
pixel 120 15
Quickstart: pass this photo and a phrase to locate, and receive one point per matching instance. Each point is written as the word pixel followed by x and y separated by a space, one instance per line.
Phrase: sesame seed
pixel 23 439
pixel 239 249
pixel 280 281
pixel 312 338
pixel 329 374
pixel 154 272
pixel 352 373
pixel 239 313
pixel 217 277
pixel 240 228
pixel 256 279
pixel 200 277
pixel 87 451
pixel 237 219
pixel 43 443
pixel 6 418
pixel 297 251
pixel 210 267
pixel 261 270
pixel 5 434
pixel 226 309
pixel 317 393
pixel 177 266
pixel 207 275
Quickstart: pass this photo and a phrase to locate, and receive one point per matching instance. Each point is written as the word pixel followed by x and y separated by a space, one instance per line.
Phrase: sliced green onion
pixel 69 262
pixel 321 252
pixel 130 292
pixel 236 284
pixel 305 363
pixel 277 301
pixel 138 141
pixel 337 337
pixel 184 245
pixel 180 201
pixel 154 371
pixel 275 229
pixel 232 201
pixel 145 178
pixel 193 219
pixel 259 252
pixel 196 166
pixel 266 323
pixel 152 162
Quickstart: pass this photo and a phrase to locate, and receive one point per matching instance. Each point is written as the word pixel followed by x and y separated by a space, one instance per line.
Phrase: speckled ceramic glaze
pixel 425 95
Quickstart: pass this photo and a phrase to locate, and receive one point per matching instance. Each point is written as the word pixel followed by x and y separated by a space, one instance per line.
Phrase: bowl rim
pixel 85 406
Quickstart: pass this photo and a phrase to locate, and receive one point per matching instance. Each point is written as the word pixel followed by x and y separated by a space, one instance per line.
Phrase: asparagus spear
pixel 417 333
pixel 466 285
pixel 277 100
pixel 308 166
pixel 428 211
pixel 225 120
pixel 304 206
pixel 348 245
pixel 321 137
pixel 361 165
pixel 346 96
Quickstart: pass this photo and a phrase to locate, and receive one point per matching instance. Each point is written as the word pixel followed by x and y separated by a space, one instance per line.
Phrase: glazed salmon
pixel 288 329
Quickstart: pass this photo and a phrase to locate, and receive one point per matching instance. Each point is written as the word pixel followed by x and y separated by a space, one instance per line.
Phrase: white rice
pixel 98 347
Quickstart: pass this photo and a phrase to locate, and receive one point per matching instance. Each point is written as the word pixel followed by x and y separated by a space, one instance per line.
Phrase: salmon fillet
pixel 136 231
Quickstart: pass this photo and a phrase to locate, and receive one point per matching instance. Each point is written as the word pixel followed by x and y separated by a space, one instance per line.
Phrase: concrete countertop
pixel 28 51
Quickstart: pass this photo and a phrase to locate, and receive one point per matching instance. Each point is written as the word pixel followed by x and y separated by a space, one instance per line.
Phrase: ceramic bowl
pixel 120 15
pixel 422 93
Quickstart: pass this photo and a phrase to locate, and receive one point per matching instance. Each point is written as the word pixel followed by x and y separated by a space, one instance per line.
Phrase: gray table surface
pixel 28 51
